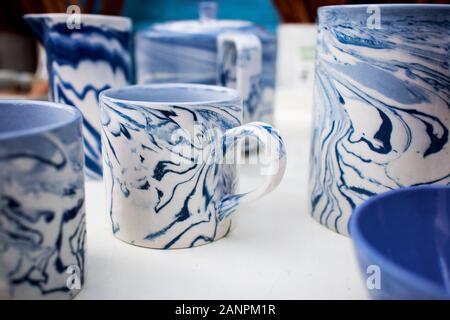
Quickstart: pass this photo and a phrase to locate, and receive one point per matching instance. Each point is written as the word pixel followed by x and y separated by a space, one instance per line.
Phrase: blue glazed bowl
pixel 402 243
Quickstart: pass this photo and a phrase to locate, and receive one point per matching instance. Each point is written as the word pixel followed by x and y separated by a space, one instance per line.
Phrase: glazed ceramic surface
pixel 170 177
pixel 230 53
pixel 42 214
pixel 405 235
pixel 82 62
pixel 382 97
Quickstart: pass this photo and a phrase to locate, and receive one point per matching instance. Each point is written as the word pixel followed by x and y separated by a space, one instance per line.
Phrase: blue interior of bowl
pixel 23 117
pixel 407 232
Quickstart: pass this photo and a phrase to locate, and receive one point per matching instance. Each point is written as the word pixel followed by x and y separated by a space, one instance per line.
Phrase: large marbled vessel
pixel 382 105
pixel 42 209
pixel 85 55
pixel 170 175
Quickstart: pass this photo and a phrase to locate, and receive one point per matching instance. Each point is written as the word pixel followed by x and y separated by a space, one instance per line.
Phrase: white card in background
pixel 295 74
pixel 296 51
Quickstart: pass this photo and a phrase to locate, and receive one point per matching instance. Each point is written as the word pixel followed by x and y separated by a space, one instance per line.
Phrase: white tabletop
pixel 277 250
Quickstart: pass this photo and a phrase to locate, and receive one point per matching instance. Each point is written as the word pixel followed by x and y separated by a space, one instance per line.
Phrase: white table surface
pixel 277 250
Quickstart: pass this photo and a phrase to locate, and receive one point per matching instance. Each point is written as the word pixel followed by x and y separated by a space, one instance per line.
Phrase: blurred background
pixel 22 63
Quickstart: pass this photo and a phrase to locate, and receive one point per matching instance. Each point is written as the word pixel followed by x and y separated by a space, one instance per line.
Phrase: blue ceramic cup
pixel 402 241
pixel 382 96
pixel 42 214
pixel 171 154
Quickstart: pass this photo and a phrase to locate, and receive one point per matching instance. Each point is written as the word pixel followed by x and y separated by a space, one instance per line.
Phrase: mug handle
pixel 273 154
pixel 239 64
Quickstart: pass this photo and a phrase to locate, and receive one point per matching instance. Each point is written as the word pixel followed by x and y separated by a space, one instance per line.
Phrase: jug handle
pixel 239 66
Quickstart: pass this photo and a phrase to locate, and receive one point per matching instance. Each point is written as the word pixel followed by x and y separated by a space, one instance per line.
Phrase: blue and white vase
pixel 42 203
pixel 382 105
pixel 231 53
pixel 85 55
pixel 170 167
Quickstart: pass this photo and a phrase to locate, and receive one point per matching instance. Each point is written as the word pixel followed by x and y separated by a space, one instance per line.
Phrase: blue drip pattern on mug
pixel 382 106
pixel 186 190
pixel 42 215
pixel 82 63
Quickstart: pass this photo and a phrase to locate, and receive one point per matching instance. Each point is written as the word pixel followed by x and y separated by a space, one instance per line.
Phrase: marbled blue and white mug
pixel 382 105
pixel 86 54
pixel 42 213
pixel 170 157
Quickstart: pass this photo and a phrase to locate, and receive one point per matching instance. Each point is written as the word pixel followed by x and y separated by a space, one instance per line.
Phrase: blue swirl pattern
pixel 382 106
pixel 82 63
pixel 42 214
pixel 158 195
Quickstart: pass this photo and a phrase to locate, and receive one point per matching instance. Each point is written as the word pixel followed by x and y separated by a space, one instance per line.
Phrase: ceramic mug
pixel 170 157
pixel 85 54
pixel 231 53
pixel 382 96
pixel 42 213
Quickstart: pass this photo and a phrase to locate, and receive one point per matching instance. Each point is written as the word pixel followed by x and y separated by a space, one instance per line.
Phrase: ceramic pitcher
pixel 230 53
pixel 85 55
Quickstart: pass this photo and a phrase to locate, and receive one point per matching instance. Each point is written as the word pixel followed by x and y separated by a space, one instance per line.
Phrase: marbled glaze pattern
pixel 83 62
pixel 168 181
pixel 42 213
pixel 382 106
pixel 187 51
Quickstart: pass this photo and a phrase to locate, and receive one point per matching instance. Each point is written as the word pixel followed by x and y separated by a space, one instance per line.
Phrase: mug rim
pixel 73 116
pixel 361 243
pixel 385 5
pixel 90 17
pixel 232 94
